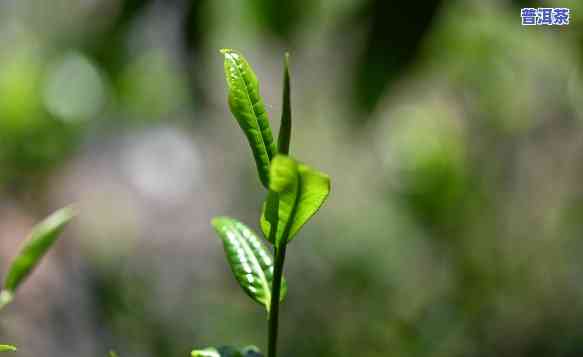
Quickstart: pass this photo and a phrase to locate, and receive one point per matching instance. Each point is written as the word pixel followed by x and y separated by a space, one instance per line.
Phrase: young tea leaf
pixel 250 351
pixel 247 106
pixel 284 137
pixel 112 353
pixel 251 264
pixel 301 191
pixel 7 348
pixel 34 248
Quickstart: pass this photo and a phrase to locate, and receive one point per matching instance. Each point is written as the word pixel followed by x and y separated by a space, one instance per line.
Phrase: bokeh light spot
pixel 74 89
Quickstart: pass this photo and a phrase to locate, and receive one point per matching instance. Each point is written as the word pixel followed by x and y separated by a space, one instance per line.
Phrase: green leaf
pixel 7 348
pixel 250 262
pixel 112 353
pixel 301 191
pixel 247 106
pixel 249 351
pixel 284 137
pixel 207 352
pixel 34 248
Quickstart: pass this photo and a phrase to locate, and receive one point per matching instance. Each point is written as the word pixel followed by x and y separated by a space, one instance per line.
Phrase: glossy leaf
pixel 247 106
pixel 40 240
pixel 301 191
pixel 284 137
pixel 7 348
pixel 250 351
pixel 250 262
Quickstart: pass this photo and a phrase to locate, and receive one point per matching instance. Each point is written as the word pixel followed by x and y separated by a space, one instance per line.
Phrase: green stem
pixel 275 298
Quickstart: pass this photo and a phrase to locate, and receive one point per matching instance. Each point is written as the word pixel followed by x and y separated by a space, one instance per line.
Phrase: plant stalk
pixel 275 298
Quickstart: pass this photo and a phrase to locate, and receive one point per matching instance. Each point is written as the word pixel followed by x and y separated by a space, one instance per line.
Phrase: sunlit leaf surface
pixel 301 191
pixel 247 106
pixel 250 262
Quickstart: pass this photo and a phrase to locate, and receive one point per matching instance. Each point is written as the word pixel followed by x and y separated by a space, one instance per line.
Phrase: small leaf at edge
pixel 7 348
pixel 40 240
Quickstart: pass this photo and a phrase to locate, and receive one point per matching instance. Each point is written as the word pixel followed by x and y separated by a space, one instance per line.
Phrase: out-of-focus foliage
pixel 7 348
pixel 453 133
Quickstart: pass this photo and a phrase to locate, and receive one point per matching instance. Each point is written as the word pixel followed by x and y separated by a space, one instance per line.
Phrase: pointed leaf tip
pixel 284 137
pixel 6 298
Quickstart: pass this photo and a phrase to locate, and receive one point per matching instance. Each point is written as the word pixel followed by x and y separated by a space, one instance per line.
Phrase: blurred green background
pixel 453 135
